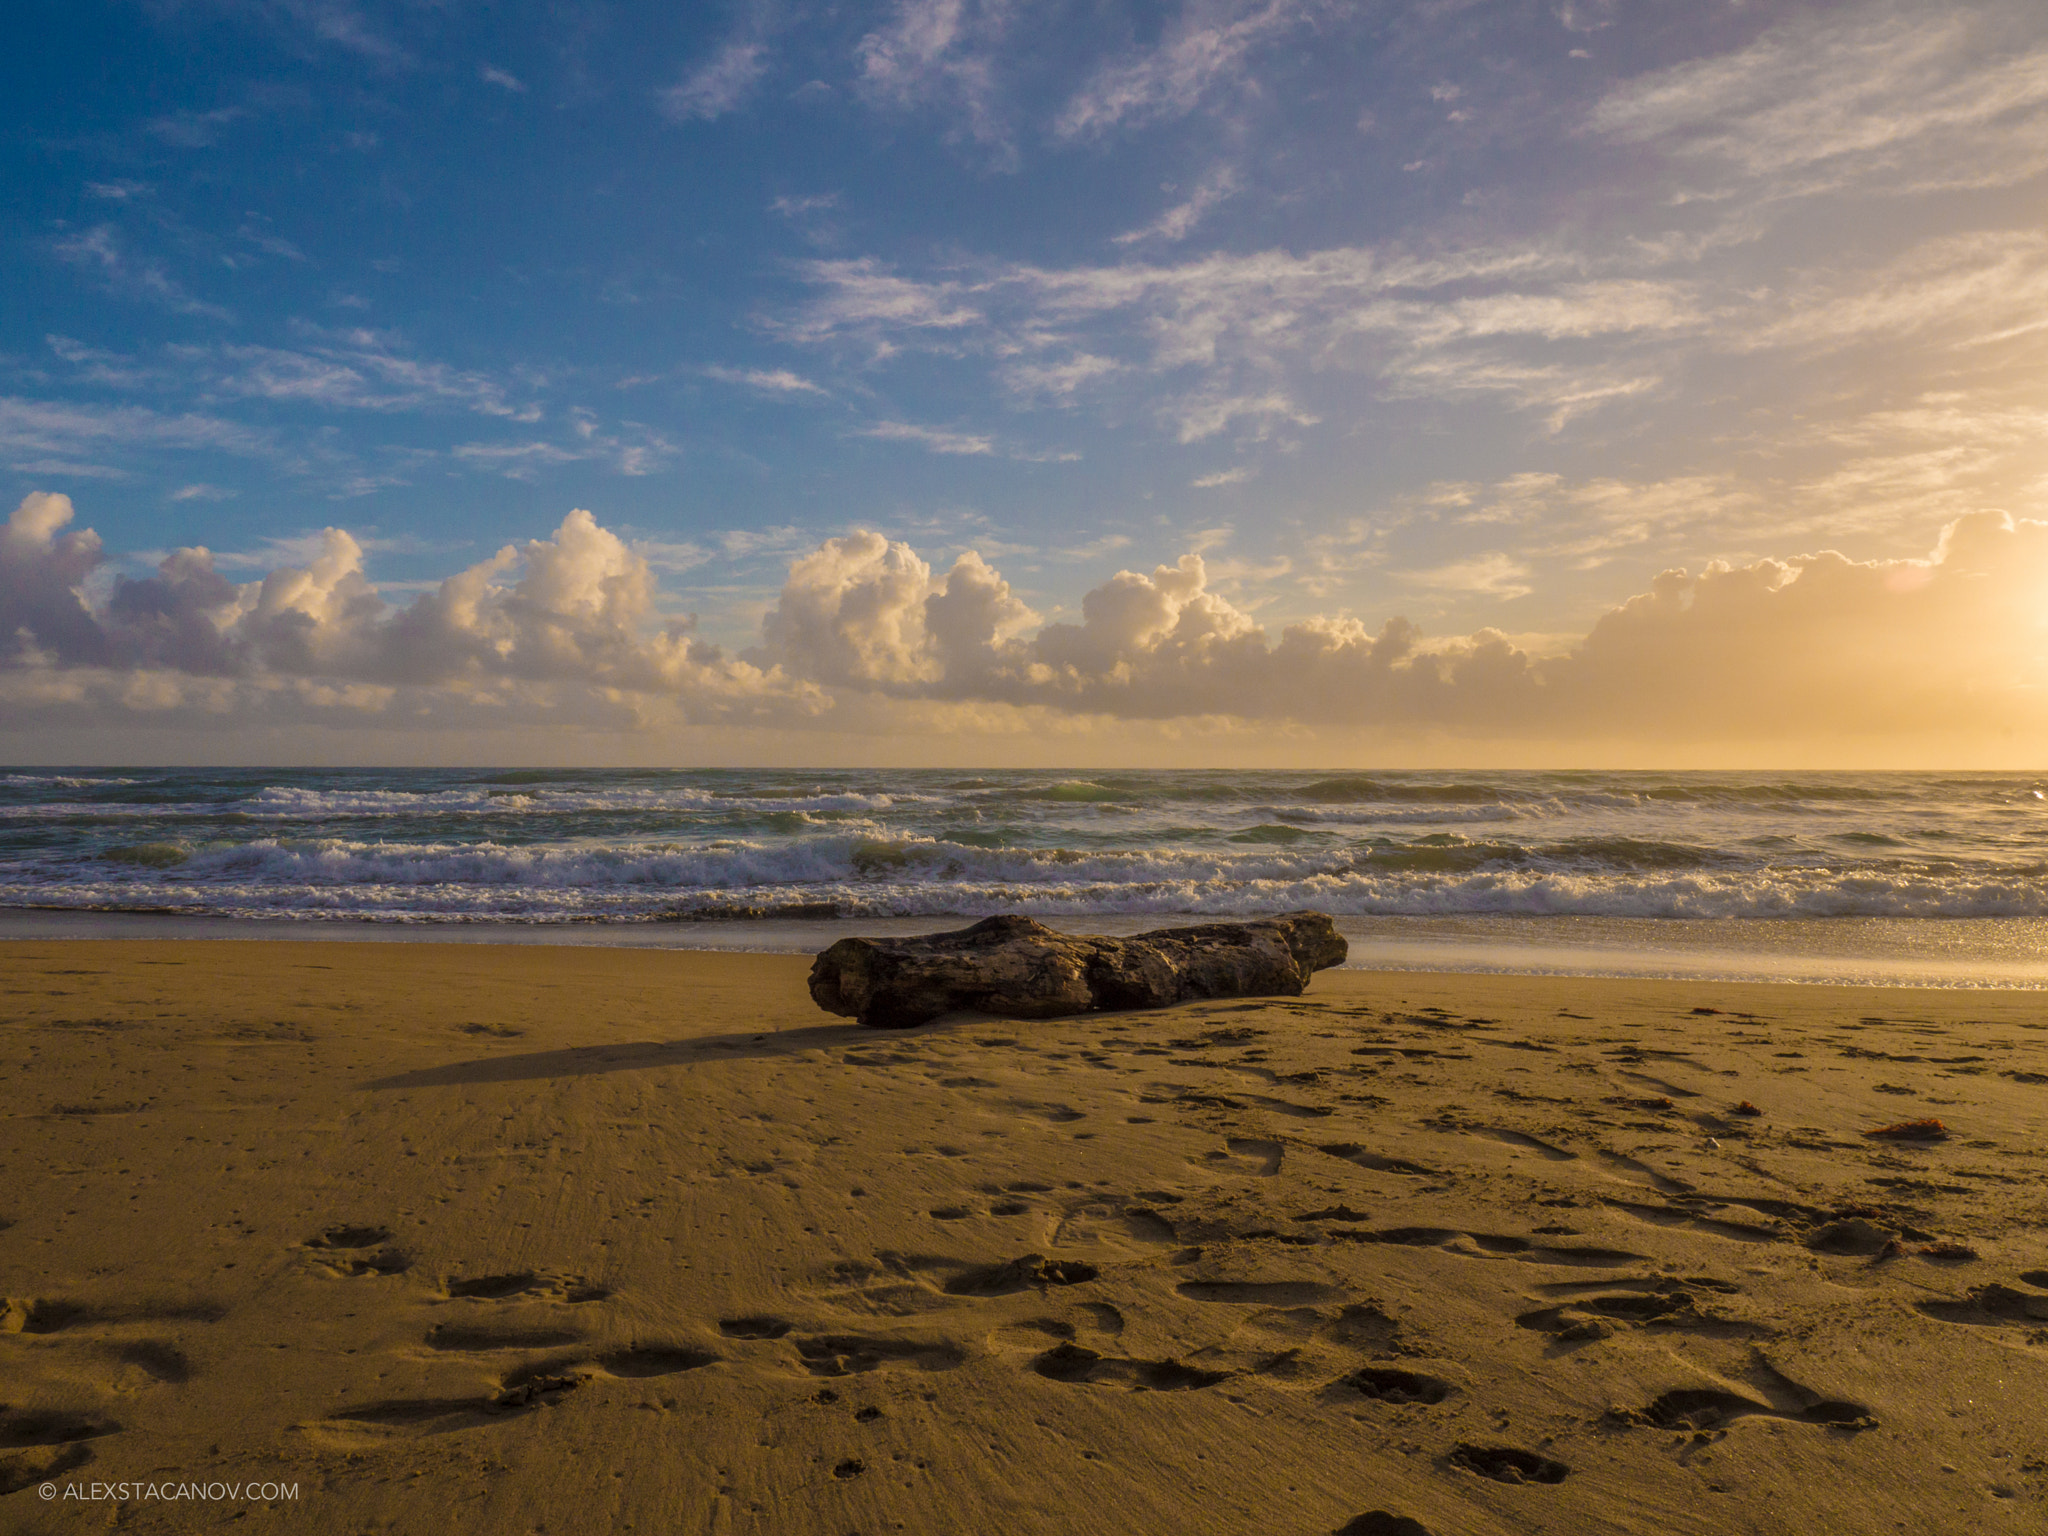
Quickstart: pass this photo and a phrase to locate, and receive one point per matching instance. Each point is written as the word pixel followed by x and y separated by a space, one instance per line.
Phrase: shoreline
pixel 1969 954
pixel 481 1238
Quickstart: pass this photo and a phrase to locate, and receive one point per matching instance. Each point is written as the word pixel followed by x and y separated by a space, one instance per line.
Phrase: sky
pixel 1261 382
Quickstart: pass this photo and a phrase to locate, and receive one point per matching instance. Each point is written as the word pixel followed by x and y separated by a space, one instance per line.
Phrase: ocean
pixel 1889 877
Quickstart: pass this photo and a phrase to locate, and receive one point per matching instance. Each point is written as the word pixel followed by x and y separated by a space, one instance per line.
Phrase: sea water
pixel 1895 877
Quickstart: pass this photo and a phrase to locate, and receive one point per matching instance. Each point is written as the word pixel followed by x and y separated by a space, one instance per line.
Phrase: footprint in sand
pixel 541 1385
pixel 1029 1335
pixel 1031 1272
pixel 1378 1522
pixel 889 1286
pixel 464 1340
pixel 350 1237
pixel 28 1427
pixel 1994 1304
pixel 1648 1303
pixel 44 1314
pixel 851 1354
pixel 1254 1155
pixel 1352 1152
pixel 1077 1364
pixel 1698 1408
pixel 1385 1384
pixel 25 1469
pixel 574 1290
pixel 753 1327
pixel 1488 1245
pixel 1505 1464
pixel 1100 1317
pixel 407 1417
pixel 1110 1226
pixel 147 1363
pixel 338 1252
pixel 643 1360
pixel 38 1314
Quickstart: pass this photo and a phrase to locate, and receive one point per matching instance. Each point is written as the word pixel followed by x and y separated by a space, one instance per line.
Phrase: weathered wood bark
pixel 1021 969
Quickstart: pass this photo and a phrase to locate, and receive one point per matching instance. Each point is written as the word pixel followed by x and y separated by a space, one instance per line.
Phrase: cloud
pixel 338 23
pixel 936 439
pixel 1894 98
pixel 1062 379
pixel 533 628
pixel 65 429
pixel 194 130
pixel 100 250
pixel 721 84
pixel 1808 648
pixel 1493 574
pixel 799 207
pixel 861 297
pixel 631 449
pixel 1961 290
pixel 1203 415
pixel 1209 46
pixel 773 381
pixel 490 74
pixel 1222 477
pixel 940 54
pixel 1516 322
pixel 359 370
pixel 1179 221
pixel 1774 649
pixel 864 612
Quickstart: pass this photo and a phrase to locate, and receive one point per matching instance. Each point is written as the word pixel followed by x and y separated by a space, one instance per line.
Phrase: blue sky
pixel 1477 316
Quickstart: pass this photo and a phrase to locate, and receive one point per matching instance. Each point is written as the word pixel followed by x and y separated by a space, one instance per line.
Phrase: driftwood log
pixel 1020 969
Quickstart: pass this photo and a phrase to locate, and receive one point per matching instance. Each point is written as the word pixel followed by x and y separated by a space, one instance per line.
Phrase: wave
pixel 1458 815
pixel 58 780
pixel 1497 894
pixel 1355 791
pixel 277 803
pixel 1279 868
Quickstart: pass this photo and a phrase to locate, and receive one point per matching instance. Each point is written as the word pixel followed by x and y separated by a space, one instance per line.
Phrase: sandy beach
pixel 467 1238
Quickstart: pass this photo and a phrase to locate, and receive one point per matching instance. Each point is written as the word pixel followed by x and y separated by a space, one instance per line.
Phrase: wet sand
pixel 464 1238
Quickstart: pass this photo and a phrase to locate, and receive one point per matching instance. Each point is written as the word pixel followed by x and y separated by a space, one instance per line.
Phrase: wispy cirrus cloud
pixel 941 54
pixel 102 252
pixel 771 381
pixel 358 370
pixel 1179 221
pixel 1208 47
pixel 1235 336
pixel 932 439
pixel 194 130
pixel 333 23
pixel 1893 98
pixel 720 84
pixel 629 448
pixel 71 438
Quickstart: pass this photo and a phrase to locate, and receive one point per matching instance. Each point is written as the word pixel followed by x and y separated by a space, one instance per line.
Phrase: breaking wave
pixel 558 845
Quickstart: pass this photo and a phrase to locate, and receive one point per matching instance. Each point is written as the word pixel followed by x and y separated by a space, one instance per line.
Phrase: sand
pixel 469 1239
